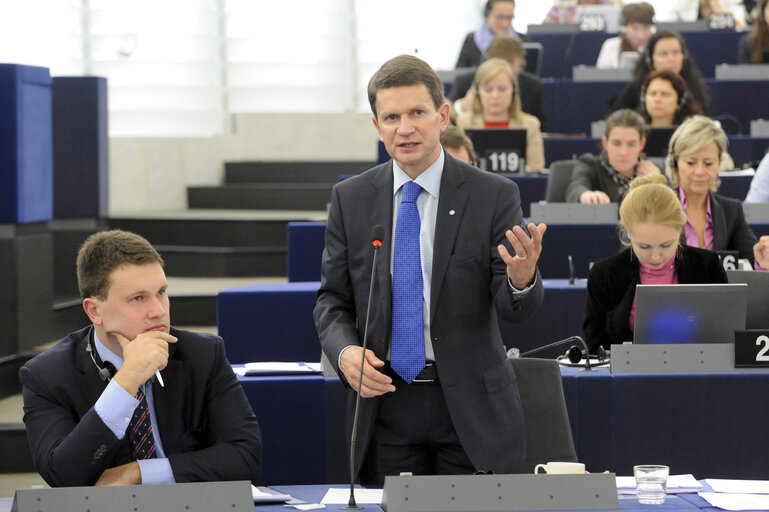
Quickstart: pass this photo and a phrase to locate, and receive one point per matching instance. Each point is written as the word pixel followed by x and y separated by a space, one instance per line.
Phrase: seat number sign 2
pixel 751 348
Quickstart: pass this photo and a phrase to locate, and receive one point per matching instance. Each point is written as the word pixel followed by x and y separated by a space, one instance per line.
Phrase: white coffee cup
pixel 561 468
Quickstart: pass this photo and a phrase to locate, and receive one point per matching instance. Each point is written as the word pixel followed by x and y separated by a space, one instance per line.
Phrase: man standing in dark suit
pixel 129 399
pixel 509 48
pixel 438 394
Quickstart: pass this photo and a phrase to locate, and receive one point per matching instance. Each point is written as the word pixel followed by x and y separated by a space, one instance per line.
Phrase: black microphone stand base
pixel 351 505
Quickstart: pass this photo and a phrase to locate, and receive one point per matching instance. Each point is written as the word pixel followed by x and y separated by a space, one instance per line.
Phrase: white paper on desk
pixel 676 484
pixel 342 496
pixel 729 501
pixel 267 368
pixel 267 495
pixel 738 486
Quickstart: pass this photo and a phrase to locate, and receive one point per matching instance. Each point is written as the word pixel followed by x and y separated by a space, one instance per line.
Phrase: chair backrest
pixel 548 431
pixel 558 180
pixel 533 57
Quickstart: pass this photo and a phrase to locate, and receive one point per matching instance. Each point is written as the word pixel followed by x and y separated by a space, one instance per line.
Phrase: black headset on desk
pixel 573 357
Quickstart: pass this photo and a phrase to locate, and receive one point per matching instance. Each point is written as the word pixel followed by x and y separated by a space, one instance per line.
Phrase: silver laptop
pixel 758 296
pixel 689 313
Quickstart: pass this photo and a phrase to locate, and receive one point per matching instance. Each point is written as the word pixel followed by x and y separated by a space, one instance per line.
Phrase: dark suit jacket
pixel 469 289
pixel 470 55
pixel 730 229
pixel 611 290
pixel 530 87
pixel 590 174
pixel 206 425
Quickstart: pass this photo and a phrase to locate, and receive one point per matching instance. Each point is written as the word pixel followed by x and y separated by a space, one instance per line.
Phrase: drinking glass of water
pixel 651 483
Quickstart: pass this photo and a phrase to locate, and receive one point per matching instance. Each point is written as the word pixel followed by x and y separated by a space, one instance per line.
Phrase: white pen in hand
pixel 160 379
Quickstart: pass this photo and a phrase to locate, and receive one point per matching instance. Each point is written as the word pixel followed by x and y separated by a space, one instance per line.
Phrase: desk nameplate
pixel 232 496
pixel 687 358
pixel 500 492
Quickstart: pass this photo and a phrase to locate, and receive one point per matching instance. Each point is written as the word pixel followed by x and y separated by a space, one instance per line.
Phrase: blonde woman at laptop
pixel 651 223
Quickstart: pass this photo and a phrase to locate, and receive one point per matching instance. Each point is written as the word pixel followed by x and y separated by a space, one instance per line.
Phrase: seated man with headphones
pixel 129 399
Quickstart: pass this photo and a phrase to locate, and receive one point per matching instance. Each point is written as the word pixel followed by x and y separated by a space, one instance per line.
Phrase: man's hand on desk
pixel 375 383
pixel 127 474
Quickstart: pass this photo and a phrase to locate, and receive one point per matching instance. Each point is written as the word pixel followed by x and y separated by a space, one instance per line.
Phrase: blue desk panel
pixel 710 425
pixel 269 322
pixel 274 322
pixel 293 414
pixel 306 241
pixel 26 144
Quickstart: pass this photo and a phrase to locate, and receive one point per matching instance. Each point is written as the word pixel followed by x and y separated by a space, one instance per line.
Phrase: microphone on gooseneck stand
pixel 572 277
pixel 377 234
pixel 572 354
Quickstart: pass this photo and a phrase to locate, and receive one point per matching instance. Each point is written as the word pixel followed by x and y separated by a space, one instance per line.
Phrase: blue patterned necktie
pixel 140 433
pixel 407 352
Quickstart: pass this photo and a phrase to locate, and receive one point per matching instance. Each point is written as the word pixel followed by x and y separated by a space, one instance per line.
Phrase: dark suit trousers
pixel 413 433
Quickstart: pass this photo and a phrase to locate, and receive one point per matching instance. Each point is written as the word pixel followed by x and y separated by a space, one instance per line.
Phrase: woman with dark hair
pixel 666 51
pixel 606 178
pixel 665 100
pixel 498 19
pixel 753 45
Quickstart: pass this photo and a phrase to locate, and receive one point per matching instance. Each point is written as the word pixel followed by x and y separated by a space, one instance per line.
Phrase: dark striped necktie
pixel 140 433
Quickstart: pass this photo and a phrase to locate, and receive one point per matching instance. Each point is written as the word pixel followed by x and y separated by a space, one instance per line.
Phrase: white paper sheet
pixel 729 501
pixel 738 486
pixel 267 495
pixel 342 496
pixel 280 368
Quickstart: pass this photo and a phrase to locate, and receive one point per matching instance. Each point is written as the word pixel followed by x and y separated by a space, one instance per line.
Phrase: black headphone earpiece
pixel 672 160
pixel 107 371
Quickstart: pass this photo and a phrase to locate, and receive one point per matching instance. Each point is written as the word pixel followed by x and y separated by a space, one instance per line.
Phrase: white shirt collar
pixel 429 180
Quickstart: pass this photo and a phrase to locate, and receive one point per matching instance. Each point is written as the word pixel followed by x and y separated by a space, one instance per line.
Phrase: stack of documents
pixel 676 484
pixel 737 494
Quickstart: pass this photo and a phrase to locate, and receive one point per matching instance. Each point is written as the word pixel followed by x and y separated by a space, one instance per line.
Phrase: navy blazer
pixel 469 289
pixel 206 425
pixel 611 291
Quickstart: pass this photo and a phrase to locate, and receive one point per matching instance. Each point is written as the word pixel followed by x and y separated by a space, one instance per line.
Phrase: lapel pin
pixel 452 212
